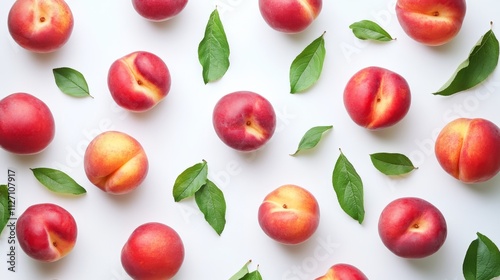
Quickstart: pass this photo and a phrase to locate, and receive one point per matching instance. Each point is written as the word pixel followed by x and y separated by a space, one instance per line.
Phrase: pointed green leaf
pixel 481 62
pixel 369 30
pixel 392 163
pixel 311 138
pixel 212 204
pixel 306 68
pixel 254 275
pixel 4 207
pixel 349 188
pixel 190 181
pixel 213 50
pixel 242 272
pixel 482 260
pixel 71 82
pixel 57 181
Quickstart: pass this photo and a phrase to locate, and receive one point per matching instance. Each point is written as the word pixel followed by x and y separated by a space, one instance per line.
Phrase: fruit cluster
pixel 375 98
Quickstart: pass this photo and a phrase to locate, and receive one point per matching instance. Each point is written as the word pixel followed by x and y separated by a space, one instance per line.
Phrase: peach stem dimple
pixel 435 13
pixel 42 19
pixel 285 206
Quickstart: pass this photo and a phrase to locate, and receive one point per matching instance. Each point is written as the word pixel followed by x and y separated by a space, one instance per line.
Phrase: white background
pixel 178 133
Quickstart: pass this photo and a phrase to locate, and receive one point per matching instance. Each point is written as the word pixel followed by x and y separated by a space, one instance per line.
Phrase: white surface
pixel 178 133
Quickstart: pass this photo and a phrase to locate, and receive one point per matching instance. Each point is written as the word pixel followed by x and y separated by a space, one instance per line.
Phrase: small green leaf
pixel 213 50
pixel 369 30
pixel 254 275
pixel 349 188
pixel 4 207
pixel 481 62
pixel 212 204
pixel 392 163
pixel 311 138
pixel 190 181
pixel 306 68
pixel 71 82
pixel 57 181
pixel 242 272
pixel 482 260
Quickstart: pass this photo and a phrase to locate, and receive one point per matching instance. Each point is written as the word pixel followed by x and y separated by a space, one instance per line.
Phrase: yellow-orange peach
pixel 469 149
pixel 289 214
pixel 115 162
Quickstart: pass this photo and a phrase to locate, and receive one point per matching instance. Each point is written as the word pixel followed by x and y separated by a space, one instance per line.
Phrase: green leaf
pixel 242 272
pixel 392 163
pixel 213 50
pixel 311 138
pixel 57 181
pixel 71 82
pixel 4 207
pixel 254 275
pixel 369 30
pixel 481 62
pixel 212 204
pixel 307 66
pixel 190 181
pixel 349 188
pixel 482 260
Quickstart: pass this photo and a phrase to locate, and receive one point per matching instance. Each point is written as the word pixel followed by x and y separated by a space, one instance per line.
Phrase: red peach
pixel 46 232
pixel 431 22
pixel 40 25
pixel 469 149
pixel 139 81
pixel 26 124
pixel 290 16
pixel 153 251
pixel 244 120
pixel 115 162
pixel 411 227
pixel 159 10
pixel 376 98
pixel 289 214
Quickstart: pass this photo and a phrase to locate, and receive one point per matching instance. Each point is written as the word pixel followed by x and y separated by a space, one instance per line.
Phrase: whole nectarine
pixel 290 16
pixel 412 227
pixel 139 81
pixel 431 22
pixel 115 162
pixel 343 271
pixel 46 232
pixel 159 10
pixel 244 120
pixel 153 251
pixel 469 149
pixel 376 98
pixel 27 125
pixel 40 25
pixel 289 214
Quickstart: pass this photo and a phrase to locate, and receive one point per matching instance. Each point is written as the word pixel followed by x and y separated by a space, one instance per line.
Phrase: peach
pixel 26 124
pixel 40 26
pixel 412 227
pixel 139 81
pixel 290 16
pixel 115 162
pixel 153 251
pixel 469 149
pixel 159 10
pixel 289 214
pixel 244 120
pixel 343 271
pixel 46 232
pixel 377 98
pixel 431 22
